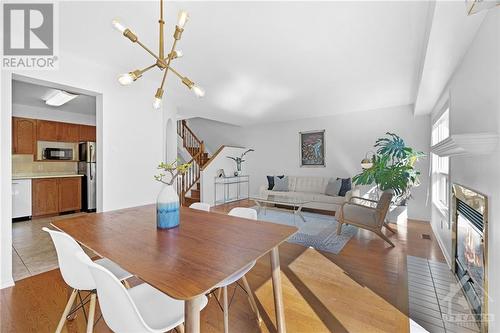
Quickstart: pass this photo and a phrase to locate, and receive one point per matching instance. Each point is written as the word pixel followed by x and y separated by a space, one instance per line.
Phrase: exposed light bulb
pixel 178 53
pixel 118 26
pixel 198 91
pixel 182 18
pixel 157 103
pixel 125 79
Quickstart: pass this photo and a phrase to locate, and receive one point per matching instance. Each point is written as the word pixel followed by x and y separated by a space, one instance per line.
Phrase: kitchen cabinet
pixel 70 190
pixel 87 133
pixel 46 130
pixel 45 197
pixel 56 131
pixel 68 132
pixel 23 136
pixel 56 195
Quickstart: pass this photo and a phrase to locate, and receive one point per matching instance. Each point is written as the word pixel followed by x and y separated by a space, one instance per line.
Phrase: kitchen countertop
pixel 44 175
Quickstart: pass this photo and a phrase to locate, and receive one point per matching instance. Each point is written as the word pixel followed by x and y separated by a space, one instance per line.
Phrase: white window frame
pixel 441 165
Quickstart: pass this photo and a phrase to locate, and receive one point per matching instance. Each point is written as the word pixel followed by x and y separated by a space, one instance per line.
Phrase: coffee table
pixel 295 203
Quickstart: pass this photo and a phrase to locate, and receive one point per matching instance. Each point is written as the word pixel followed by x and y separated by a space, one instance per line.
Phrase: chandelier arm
pixel 148 68
pixel 148 50
pixel 168 64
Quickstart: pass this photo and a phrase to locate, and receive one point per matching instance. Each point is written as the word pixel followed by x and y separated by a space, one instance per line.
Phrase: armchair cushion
pixel 359 214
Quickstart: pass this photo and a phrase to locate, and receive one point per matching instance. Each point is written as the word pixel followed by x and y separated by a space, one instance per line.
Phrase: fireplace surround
pixel 470 249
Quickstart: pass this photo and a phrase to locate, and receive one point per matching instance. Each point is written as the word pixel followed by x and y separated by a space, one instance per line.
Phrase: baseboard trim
pixel 441 246
pixel 7 284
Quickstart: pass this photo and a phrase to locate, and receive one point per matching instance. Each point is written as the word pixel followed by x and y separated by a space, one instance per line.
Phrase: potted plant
pixel 238 161
pixel 392 168
pixel 167 202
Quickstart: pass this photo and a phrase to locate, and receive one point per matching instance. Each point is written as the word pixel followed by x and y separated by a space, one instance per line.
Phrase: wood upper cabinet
pixel 47 130
pixel 56 195
pixel 70 197
pixel 23 136
pixel 45 196
pixel 87 133
pixel 68 132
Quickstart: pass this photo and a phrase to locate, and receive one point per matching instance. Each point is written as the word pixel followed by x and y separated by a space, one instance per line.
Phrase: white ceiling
pixel 267 61
pixel 34 95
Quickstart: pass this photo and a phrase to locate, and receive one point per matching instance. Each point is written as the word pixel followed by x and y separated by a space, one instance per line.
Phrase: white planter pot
pixel 397 214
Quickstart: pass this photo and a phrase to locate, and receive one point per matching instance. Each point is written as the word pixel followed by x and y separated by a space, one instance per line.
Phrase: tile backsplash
pixel 24 164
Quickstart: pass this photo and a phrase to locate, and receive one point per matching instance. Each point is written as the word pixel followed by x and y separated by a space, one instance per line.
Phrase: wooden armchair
pixel 366 217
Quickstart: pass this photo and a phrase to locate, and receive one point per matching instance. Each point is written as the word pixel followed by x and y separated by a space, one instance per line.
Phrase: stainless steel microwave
pixel 58 154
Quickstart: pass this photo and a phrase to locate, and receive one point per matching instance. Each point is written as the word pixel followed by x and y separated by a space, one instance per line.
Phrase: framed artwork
pixel 312 149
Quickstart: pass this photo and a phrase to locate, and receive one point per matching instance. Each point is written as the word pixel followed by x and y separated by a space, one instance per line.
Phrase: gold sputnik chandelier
pixel 162 62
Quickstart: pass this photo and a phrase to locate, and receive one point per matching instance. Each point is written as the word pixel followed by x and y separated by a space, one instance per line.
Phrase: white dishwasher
pixel 21 198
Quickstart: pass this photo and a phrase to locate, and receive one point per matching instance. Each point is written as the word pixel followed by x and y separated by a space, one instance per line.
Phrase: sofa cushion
pixel 270 181
pixel 319 197
pixel 333 187
pixel 280 184
pixel 310 184
pixel 346 186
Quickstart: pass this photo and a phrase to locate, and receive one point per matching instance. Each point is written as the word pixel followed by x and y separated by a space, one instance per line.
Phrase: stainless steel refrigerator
pixel 87 168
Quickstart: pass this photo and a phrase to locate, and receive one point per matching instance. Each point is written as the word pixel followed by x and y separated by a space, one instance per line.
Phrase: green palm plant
pixel 393 167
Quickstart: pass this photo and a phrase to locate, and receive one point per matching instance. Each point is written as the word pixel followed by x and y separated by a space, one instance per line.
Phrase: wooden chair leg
pixel 66 311
pixel 225 309
pixel 339 228
pixel 384 237
pixel 388 227
pixel 251 299
pixel 180 328
pixel 219 291
pixel 90 322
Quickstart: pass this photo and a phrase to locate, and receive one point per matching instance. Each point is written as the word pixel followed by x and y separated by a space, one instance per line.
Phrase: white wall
pixel 26 111
pixel 229 166
pixel 130 134
pixel 348 137
pixel 474 94
pixel 215 133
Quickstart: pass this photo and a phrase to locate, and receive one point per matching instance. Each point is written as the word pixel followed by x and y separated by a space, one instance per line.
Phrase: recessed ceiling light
pixel 59 98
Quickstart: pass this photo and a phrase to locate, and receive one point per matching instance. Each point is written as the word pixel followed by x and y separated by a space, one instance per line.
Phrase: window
pixel 440 165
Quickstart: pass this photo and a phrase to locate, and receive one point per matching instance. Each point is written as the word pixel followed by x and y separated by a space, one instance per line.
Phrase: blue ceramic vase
pixel 167 208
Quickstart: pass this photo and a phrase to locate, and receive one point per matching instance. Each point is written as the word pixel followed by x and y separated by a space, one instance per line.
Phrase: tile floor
pixel 32 249
pixel 433 294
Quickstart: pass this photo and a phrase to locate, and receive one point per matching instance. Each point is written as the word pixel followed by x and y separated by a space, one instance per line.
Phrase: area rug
pixel 319 231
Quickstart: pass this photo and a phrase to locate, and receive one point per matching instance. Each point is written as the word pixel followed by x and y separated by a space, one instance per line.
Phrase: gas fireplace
pixel 470 226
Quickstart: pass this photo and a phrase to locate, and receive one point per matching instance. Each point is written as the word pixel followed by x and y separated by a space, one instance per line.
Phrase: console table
pixel 225 184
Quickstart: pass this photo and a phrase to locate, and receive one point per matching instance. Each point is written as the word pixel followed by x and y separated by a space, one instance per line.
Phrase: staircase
pixel 188 185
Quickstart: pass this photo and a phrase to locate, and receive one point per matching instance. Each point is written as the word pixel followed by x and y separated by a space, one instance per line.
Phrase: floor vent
pixel 426 236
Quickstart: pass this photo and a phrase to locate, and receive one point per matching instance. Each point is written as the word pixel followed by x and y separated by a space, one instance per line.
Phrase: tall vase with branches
pixel 167 202
pixel 393 168
pixel 239 160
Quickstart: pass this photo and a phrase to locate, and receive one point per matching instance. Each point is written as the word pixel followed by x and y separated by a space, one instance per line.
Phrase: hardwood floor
pixel 362 289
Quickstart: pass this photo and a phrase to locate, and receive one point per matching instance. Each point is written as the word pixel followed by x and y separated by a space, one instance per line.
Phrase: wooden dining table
pixel 185 262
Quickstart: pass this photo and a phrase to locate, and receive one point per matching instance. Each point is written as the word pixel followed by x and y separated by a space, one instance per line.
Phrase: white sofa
pixel 313 189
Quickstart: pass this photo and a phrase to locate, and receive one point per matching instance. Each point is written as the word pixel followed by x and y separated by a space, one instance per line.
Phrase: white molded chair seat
pixel 138 309
pixel 251 214
pixel 200 206
pixel 76 275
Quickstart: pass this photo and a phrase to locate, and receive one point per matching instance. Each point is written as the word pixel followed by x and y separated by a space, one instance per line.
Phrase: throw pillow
pixel 270 182
pixel 333 187
pixel 281 184
pixel 345 187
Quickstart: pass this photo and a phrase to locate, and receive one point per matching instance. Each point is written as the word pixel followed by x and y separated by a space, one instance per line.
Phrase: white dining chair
pixel 248 213
pixel 138 309
pixel 77 275
pixel 200 206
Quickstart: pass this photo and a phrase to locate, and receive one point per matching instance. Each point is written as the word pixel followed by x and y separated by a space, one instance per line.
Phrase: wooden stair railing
pixel 191 142
pixel 188 179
